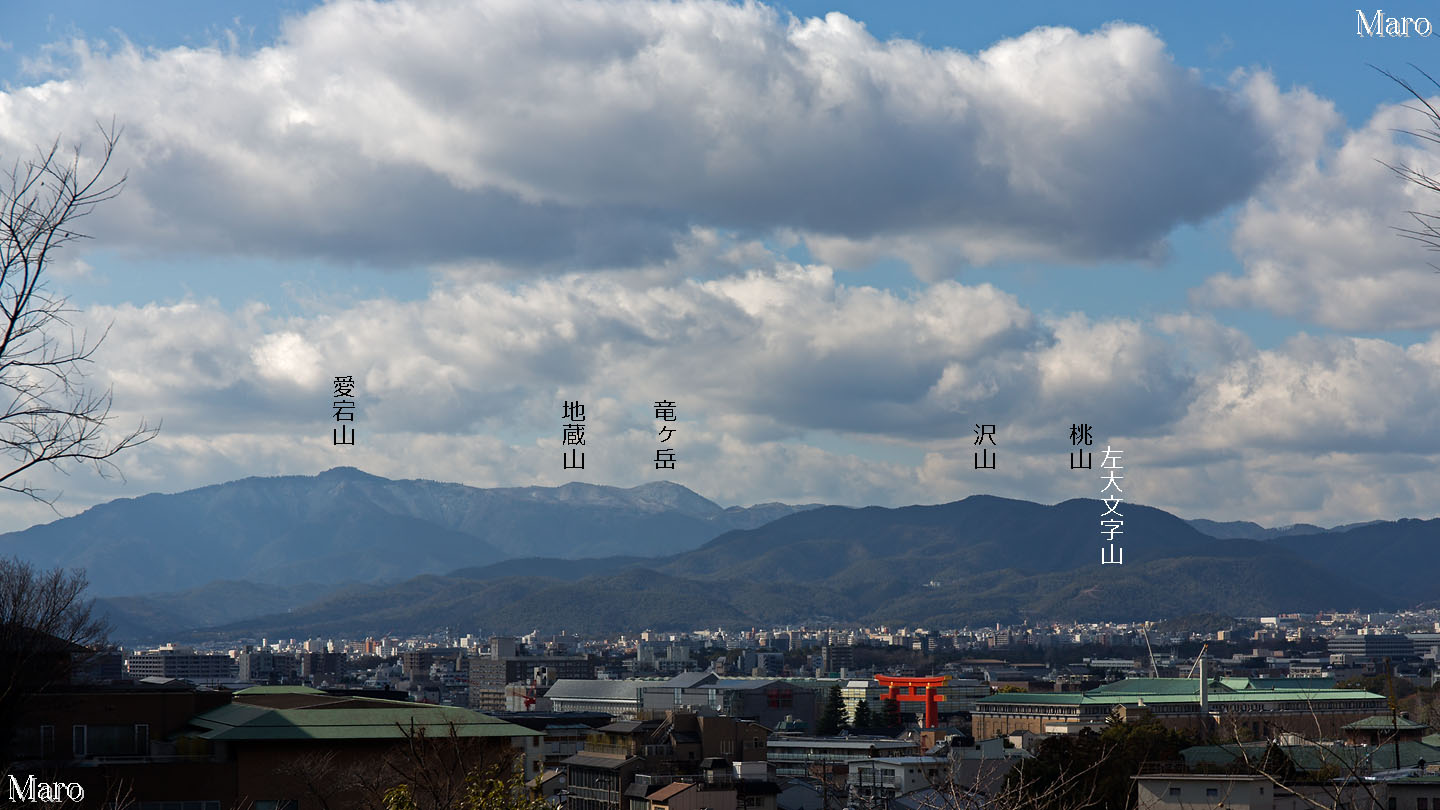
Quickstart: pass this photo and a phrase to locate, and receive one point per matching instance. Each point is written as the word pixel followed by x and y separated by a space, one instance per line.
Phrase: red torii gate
pixel 917 690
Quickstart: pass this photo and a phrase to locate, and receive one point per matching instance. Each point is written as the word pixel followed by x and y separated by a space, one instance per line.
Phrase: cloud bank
pixel 576 135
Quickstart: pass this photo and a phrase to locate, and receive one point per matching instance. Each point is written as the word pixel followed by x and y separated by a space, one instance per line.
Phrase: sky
pixel 837 236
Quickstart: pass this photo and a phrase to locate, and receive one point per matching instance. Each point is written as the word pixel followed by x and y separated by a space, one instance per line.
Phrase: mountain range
pixel 345 553
pixel 345 525
pixel 975 561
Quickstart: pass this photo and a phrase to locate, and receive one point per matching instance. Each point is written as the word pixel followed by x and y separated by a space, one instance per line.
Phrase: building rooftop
pixel 347 719
pixel 585 689
pixel 1317 757
pixel 1187 690
pixel 1384 722
pixel 669 791
pixel 594 760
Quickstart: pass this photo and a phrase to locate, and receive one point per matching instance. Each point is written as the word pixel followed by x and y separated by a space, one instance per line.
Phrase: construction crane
pixel 1154 671
pixel 1203 648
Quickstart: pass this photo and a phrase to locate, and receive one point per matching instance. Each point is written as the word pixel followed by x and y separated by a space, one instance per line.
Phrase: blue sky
pixel 838 241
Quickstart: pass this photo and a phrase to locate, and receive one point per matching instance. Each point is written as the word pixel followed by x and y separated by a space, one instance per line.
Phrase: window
pixel 47 741
pixel 1211 793
pixel 125 740
pixel 77 740
pixel 1174 791
pixel 1422 804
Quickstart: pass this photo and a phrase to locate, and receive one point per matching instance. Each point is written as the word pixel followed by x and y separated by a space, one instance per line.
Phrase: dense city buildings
pixel 737 717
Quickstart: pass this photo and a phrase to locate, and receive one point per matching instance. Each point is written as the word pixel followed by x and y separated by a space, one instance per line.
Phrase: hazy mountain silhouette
pixel 974 561
pixel 346 525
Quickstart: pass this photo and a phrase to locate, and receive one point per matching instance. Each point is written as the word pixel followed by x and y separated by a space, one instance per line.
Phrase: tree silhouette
pixel 863 717
pixel 832 718
pixel 48 413
pixel 46 628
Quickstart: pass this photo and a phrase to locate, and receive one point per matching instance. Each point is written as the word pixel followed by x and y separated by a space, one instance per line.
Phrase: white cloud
pixel 789 386
pixel 587 134
pixel 1318 241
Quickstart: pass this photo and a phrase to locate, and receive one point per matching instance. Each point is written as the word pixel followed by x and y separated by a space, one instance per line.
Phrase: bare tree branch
pixel 50 414
pixel 1426 229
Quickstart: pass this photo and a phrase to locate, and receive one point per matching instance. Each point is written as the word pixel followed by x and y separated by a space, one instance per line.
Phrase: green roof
pixel 1315 757
pixel 1295 694
pixel 1149 686
pixel 1383 722
pixel 378 719
pixel 1187 690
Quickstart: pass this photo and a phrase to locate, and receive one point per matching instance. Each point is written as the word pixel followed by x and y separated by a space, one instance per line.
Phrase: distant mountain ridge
pixel 345 552
pixel 975 561
pixel 1254 531
pixel 345 525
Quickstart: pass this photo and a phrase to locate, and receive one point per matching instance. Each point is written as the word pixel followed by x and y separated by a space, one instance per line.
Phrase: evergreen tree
pixel 890 713
pixel 863 718
pixel 833 717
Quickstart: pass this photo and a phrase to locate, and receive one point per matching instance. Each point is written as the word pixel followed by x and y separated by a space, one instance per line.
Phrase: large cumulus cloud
pixel 571 135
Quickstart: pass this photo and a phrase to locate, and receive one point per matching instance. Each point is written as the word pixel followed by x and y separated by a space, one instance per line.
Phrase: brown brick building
pixel 1255 706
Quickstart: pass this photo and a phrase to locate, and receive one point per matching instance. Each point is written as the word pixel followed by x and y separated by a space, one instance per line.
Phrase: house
pixel 169 741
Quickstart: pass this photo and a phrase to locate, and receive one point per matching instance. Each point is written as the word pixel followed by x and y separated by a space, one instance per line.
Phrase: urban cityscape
pixel 719 405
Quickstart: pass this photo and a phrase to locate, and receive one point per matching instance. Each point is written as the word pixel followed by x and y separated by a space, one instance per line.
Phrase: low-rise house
pixel 293 746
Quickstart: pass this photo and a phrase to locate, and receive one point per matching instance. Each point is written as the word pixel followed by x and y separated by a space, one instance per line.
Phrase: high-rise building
pixel 182 663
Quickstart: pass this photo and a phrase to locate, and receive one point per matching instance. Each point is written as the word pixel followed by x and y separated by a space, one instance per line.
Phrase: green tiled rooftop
pixel 386 719
pixel 1384 722
pixel 1149 686
pixel 1187 690
pixel 1317 757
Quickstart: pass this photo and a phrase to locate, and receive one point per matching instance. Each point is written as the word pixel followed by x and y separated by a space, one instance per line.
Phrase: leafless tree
pixel 1075 788
pixel 422 772
pixel 1340 782
pixel 48 413
pixel 46 628
pixel 1426 229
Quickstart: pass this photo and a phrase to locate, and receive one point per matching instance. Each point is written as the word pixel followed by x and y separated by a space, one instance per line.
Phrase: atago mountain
pixel 345 525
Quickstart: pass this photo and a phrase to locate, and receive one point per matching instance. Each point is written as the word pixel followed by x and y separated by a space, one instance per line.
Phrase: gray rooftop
pixel 585 689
